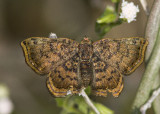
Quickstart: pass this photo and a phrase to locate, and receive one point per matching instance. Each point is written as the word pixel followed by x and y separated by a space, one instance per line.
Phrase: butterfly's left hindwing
pixel 65 78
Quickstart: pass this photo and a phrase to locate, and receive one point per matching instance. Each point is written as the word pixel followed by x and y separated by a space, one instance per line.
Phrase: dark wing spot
pixel 118 46
pixel 98 79
pixel 75 78
pixel 109 56
pixel 103 76
pixel 127 53
pixel 117 63
pixel 110 78
pixel 24 42
pixel 99 70
pixel 60 77
pixel 113 71
pixel 51 47
pixel 134 42
pixel 67 76
pixel 144 41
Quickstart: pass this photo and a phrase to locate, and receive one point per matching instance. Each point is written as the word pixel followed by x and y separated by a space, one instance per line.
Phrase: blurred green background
pixel 20 19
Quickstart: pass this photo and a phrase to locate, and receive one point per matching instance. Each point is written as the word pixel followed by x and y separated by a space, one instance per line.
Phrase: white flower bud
pixel 129 11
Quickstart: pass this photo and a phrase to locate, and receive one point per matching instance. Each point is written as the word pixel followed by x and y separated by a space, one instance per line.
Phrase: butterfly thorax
pixel 85 54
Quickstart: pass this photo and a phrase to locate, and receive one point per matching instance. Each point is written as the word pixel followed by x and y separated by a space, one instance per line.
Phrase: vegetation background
pixel 21 19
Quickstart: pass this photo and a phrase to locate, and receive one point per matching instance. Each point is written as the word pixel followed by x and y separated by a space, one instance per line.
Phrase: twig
pixel 88 101
pixel 145 6
pixel 149 102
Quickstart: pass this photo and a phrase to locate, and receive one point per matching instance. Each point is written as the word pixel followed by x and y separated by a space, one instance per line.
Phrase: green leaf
pixel 60 101
pixel 88 90
pixel 115 1
pixel 102 29
pixel 106 21
pixel 77 105
pixel 103 109
pixel 108 16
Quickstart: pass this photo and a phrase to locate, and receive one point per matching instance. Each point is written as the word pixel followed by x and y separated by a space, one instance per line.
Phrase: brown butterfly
pixel 72 66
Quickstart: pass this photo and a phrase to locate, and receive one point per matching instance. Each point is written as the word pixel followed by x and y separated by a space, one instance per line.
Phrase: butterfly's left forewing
pixel 42 54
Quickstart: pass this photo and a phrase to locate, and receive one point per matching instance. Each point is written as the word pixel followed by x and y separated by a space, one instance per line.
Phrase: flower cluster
pixel 129 11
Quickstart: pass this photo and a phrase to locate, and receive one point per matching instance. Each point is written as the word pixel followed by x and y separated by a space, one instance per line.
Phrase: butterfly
pixel 73 66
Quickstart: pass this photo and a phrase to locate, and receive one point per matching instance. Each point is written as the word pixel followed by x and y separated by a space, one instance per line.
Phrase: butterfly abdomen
pixel 86 72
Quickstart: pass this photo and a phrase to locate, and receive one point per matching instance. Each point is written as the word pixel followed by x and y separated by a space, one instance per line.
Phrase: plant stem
pixel 145 6
pixel 152 58
pixel 89 102
pixel 152 28
pixel 156 103
pixel 149 76
pixel 150 101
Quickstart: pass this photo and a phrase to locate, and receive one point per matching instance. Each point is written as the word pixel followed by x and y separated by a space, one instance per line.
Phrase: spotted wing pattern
pixel 42 54
pixel 65 79
pixel 111 59
pixel 105 77
pixel 60 59
pixel 56 57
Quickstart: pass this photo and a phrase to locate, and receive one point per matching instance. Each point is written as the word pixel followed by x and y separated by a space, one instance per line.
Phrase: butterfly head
pixel 86 40
pixel 85 49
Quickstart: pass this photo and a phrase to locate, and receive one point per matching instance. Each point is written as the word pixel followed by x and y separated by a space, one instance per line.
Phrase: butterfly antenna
pixel 85 36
